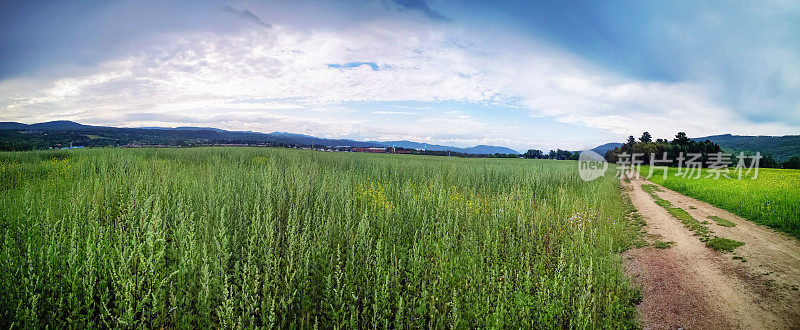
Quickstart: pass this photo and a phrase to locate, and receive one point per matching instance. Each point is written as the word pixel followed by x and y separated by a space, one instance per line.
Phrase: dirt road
pixel 691 286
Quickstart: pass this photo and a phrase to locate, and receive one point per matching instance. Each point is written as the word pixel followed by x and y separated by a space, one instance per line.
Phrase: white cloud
pixel 391 113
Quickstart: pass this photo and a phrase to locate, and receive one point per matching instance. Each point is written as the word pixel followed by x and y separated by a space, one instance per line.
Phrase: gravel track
pixel 692 286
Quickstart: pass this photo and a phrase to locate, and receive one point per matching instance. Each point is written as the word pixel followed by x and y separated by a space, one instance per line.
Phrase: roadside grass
pixel 723 244
pixel 637 233
pixel 651 188
pixel 697 227
pixel 771 199
pixel 688 221
pixel 663 245
pixel 721 222
pixel 281 238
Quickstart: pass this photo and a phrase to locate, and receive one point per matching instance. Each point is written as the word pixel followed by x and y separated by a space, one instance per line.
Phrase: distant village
pixel 374 150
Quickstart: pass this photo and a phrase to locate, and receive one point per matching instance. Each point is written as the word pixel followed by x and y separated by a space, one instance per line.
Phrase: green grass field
pixel 772 199
pixel 244 237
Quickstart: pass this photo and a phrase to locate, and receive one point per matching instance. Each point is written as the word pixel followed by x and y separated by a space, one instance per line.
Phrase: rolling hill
pixel 479 149
pixel 601 149
pixel 54 134
pixel 781 147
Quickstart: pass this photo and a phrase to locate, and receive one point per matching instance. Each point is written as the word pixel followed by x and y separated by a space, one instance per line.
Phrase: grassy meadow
pixel 772 199
pixel 263 237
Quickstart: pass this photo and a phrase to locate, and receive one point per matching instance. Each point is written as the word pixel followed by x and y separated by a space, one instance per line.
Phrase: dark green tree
pixel 793 163
pixel 768 161
pixel 681 140
pixel 534 154
pixel 646 137
pixel 631 142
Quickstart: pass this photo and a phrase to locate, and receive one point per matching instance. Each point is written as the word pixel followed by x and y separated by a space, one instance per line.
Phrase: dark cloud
pixel 247 15
pixel 423 7
pixel 60 38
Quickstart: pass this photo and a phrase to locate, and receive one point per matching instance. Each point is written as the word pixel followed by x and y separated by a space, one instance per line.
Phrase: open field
pixel 271 237
pixel 773 199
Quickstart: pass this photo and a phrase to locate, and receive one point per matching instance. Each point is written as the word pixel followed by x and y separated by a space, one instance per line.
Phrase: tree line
pixel 553 154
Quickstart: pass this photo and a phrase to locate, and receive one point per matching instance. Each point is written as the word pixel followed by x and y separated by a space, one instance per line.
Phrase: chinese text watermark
pixel 689 165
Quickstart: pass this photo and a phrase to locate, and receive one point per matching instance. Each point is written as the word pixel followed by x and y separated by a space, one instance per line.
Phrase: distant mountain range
pixel 479 149
pixel 18 136
pixel 780 147
pixel 60 125
pixel 601 149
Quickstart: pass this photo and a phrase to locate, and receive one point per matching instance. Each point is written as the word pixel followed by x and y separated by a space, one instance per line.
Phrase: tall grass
pixel 237 237
pixel 772 199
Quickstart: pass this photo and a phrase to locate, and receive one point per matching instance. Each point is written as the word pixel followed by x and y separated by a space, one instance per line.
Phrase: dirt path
pixel 691 286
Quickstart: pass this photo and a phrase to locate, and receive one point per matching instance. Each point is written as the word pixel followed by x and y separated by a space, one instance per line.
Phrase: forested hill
pixel 780 147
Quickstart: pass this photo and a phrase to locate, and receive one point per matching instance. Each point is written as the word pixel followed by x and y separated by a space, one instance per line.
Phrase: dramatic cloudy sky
pixel 524 74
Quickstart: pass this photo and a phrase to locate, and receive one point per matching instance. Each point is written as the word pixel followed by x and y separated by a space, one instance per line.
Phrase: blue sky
pixel 523 74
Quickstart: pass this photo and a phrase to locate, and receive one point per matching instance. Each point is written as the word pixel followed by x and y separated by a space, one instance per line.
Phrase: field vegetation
pixel 262 237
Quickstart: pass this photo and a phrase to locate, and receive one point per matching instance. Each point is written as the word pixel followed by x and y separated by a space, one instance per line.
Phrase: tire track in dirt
pixel 691 286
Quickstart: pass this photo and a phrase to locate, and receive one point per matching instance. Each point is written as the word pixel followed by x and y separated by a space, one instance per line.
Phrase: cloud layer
pixel 392 74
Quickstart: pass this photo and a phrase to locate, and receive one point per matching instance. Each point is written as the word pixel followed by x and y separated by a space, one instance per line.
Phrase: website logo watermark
pixel 591 165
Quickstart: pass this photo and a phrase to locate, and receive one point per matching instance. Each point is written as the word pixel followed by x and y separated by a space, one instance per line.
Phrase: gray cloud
pixel 248 15
pixel 423 7
pixel 159 117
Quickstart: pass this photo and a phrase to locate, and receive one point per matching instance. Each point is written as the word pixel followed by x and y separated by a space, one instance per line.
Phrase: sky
pixel 521 74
